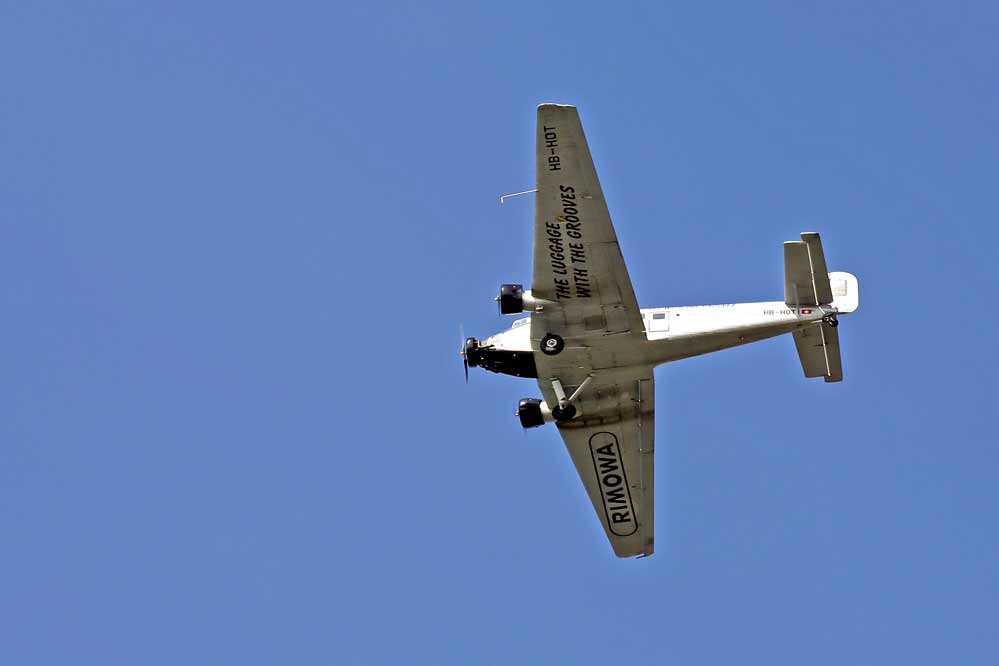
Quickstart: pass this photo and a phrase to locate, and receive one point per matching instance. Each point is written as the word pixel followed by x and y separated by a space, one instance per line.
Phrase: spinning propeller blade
pixel 461 349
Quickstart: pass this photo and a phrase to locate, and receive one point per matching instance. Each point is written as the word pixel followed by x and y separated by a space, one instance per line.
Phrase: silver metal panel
pixel 817 257
pixel 818 351
pixel 806 277
pixel 577 260
pixel 798 288
pixel 612 445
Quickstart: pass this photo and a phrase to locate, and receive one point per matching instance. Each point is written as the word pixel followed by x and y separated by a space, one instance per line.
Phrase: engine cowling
pixel 511 299
pixel 533 412
pixel 470 351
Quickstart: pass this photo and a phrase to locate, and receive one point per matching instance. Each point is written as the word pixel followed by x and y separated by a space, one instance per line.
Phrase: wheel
pixel 552 344
pixel 833 322
pixel 566 414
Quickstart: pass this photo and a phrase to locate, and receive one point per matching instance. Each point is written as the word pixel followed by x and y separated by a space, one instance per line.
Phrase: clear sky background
pixel 236 245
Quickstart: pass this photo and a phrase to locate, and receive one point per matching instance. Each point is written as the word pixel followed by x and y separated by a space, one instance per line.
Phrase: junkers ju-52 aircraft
pixel 592 349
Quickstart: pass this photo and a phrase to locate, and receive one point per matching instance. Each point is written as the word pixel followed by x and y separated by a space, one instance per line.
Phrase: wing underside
pixel 577 260
pixel 613 454
pixel 580 276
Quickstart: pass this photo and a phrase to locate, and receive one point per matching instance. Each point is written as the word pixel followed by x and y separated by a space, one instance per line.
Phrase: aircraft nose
pixel 471 352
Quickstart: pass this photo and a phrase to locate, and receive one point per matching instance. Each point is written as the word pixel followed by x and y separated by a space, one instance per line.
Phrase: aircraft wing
pixel 587 298
pixel 577 261
pixel 611 444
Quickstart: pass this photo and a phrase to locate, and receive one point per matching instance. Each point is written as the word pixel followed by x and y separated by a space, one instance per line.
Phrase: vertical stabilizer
pixel 845 291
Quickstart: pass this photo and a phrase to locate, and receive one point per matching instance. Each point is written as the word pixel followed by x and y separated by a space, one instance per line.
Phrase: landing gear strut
pixel 563 415
pixel 552 344
pixel 565 410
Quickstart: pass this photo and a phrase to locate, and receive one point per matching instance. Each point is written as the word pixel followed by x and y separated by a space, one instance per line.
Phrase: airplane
pixel 592 349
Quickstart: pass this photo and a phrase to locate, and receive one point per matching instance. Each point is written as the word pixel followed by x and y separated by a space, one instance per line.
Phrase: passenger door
pixel 659 321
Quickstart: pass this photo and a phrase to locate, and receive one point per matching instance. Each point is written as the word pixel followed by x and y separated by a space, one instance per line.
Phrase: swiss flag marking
pixel 806 311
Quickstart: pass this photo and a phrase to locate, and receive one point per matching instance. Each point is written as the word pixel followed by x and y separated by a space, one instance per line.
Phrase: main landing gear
pixel 533 412
pixel 831 320
pixel 562 415
pixel 552 344
pixel 565 410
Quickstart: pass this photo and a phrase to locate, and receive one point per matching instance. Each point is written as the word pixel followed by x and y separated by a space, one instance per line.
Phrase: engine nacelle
pixel 470 350
pixel 513 299
pixel 533 413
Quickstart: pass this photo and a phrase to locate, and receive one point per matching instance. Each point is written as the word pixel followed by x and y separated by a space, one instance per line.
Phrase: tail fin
pixel 845 291
pixel 807 282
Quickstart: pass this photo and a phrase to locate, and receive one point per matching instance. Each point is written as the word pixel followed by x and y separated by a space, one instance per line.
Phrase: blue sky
pixel 236 245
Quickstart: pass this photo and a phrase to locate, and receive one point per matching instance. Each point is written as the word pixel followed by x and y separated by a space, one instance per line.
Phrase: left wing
pixel 580 273
pixel 577 261
pixel 611 444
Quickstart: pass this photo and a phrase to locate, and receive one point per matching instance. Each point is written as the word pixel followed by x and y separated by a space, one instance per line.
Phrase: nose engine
pixel 470 350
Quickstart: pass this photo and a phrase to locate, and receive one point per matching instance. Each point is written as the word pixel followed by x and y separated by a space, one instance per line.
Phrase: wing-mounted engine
pixel 533 413
pixel 513 299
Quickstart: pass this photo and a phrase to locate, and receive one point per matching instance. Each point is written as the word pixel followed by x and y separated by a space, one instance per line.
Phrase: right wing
pixel 613 454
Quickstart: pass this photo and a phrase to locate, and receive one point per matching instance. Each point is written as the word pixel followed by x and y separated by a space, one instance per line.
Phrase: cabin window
pixel 659 315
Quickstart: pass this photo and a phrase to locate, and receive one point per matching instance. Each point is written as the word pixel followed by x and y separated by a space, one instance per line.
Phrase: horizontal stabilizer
pixel 806 278
pixel 818 350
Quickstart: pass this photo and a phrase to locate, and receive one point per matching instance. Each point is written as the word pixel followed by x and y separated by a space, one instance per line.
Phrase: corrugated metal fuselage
pixel 671 334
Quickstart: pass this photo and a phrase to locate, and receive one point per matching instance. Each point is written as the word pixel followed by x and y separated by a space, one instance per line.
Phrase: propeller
pixel 470 346
pixel 461 349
